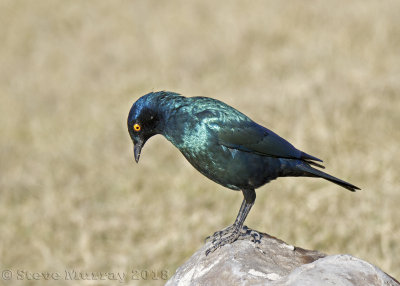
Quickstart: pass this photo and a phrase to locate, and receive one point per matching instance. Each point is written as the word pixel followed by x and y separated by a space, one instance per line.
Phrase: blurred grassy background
pixel 324 75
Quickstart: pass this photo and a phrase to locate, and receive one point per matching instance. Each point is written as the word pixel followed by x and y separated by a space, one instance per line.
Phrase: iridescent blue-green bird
pixel 224 145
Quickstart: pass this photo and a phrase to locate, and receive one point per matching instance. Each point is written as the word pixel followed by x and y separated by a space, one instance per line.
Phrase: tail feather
pixel 317 173
pixel 314 164
pixel 311 160
pixel 308 157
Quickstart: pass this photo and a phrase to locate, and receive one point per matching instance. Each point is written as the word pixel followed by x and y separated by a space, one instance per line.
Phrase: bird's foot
pixel 231 234
pixel 226 236
pixel 246 232
pixel 218 234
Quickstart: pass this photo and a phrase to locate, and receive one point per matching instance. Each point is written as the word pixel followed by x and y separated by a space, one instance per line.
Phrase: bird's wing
pixel 250 137
pixel 235 130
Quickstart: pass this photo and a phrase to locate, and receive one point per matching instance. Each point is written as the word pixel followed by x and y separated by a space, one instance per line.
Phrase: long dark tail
pixel 312 172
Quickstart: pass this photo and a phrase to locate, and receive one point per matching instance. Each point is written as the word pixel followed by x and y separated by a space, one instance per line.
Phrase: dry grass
pixel 325 75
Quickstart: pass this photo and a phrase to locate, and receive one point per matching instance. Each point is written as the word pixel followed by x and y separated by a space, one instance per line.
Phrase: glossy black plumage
pixel 223 144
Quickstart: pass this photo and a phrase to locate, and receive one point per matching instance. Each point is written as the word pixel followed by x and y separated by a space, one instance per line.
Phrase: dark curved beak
pixel 137 148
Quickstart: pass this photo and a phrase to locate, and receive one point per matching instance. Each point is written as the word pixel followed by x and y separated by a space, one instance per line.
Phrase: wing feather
pixel 254 138
pixel 235 130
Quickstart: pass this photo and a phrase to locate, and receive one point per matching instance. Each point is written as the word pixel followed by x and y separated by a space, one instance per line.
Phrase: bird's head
pixel 144 121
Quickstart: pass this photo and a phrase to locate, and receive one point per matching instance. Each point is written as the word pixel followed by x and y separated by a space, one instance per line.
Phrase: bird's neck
pixel 171 109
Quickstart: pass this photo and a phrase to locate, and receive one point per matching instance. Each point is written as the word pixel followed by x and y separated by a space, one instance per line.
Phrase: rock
pixel 270 261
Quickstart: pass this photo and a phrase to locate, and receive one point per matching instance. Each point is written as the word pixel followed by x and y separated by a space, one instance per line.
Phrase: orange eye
pixel 136 127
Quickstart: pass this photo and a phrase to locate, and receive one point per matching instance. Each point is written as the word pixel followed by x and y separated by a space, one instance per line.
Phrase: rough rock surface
pixel 264 260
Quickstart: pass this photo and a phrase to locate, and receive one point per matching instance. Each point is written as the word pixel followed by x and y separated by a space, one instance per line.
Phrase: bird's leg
pixel 231 233
pixel 218 234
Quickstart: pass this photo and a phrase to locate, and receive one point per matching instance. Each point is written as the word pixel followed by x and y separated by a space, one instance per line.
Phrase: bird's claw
pixel 227 236
pixel 218 234
pixel 246 232
pixel 219 242
pixel 231 234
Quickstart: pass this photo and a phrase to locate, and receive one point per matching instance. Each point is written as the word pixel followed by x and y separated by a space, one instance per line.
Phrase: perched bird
pixel 224 145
